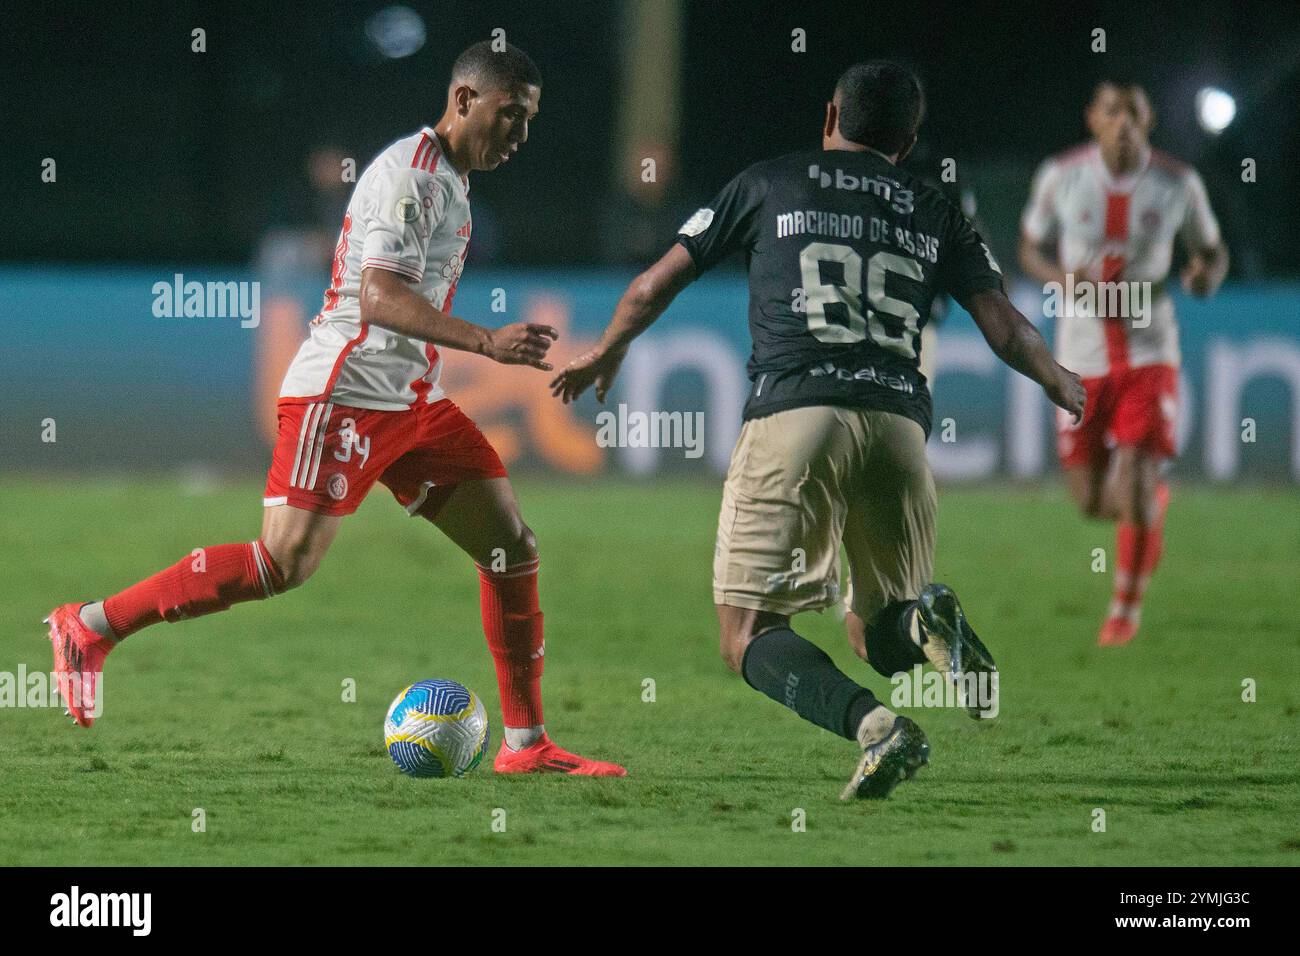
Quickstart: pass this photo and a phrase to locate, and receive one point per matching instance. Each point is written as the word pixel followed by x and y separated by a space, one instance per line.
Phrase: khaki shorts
pixel 803 481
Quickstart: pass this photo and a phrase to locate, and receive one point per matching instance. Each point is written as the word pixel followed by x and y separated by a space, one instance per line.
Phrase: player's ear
pixel 463 95
pixel 832 120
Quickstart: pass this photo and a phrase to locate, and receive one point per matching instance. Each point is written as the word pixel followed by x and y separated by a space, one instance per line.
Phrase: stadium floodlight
pixel 396 31
pixel 1215 109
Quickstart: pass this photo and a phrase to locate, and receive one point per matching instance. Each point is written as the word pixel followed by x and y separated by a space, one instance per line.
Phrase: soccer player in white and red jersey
pixel 1113 208
pixel 361 403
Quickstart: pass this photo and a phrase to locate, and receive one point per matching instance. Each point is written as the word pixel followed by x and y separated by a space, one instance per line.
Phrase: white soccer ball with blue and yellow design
pixel 436 728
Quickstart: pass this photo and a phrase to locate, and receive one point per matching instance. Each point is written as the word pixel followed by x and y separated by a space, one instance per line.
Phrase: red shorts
pixel 1133 408
pixel 327 456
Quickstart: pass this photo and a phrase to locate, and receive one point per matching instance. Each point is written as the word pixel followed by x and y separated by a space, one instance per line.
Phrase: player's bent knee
pixel 735 626
pixel 518 546
pixel 522 545
pixel 296 571
pixel 738 627
pixel 856 631
pixel 731 646
pixel 295 563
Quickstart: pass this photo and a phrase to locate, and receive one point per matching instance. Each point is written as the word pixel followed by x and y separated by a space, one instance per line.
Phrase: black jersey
pixel 846 253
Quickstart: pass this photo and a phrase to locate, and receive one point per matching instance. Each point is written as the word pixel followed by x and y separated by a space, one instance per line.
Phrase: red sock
pixel 1156 532
pixel 1138 550
pixel 211 579
pixel 512 622
pixel 1155 547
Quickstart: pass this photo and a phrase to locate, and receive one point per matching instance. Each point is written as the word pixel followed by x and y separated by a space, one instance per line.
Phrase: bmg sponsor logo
pixel 900 200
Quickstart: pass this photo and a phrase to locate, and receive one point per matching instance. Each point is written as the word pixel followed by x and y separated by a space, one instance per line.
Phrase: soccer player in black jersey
pixel 845 254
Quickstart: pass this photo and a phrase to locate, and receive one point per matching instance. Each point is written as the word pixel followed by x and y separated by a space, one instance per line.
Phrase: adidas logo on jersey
pixel 899 199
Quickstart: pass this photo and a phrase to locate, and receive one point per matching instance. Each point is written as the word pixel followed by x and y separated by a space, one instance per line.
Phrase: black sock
pixel 802 676
pixel 890 647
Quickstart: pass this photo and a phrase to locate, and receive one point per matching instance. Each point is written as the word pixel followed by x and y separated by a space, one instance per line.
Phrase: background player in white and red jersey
pixel 1113 208
pixel 361 403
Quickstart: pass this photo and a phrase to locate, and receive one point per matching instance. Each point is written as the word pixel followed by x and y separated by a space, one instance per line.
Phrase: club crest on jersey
pixel 702 219
pixel 407 209
pixel 337 487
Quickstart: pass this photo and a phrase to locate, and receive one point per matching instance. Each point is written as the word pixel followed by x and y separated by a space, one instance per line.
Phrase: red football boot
pixel 78 661
pixel 1116 632
pixel 544 756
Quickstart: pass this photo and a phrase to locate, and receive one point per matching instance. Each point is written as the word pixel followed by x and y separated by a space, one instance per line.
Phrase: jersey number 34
pixel 837 312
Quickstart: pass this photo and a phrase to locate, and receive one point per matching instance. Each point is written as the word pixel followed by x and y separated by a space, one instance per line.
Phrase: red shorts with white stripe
pixel 1131 407
pixel 327 456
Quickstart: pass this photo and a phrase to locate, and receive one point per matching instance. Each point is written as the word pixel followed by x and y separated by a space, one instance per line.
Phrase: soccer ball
pixel 436 728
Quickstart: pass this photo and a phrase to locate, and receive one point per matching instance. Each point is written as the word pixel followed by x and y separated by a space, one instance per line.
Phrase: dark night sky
pixel 167 155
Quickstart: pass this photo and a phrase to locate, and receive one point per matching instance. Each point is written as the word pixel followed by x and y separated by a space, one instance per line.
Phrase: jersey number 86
pixel 835 311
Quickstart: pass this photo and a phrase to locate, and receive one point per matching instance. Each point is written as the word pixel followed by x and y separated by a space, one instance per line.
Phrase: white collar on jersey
pixel 443 157
pixel 1126 182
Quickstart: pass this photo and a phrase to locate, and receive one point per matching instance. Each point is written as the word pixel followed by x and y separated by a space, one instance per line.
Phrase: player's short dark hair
pixel 881 105
pixel 1123 84
pixel 502 69
pixel 1136 92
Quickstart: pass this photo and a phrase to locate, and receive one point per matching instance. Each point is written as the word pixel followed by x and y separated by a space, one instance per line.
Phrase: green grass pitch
pixel 242 714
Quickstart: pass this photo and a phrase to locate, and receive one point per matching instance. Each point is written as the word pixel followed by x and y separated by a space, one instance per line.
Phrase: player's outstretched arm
pixel 1015 341
pixel 644 301
pixel 388 301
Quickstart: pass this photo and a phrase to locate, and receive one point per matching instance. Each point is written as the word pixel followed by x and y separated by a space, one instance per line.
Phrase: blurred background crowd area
pixel 130 158
pixel 237 154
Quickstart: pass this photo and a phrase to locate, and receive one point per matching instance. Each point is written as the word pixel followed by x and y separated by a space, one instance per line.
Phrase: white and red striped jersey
pixel 1110 229
pixel 409 213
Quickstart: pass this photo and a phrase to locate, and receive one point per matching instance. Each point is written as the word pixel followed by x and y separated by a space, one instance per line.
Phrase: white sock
pixel 876 726
pixel 92 615
pixel 521 738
